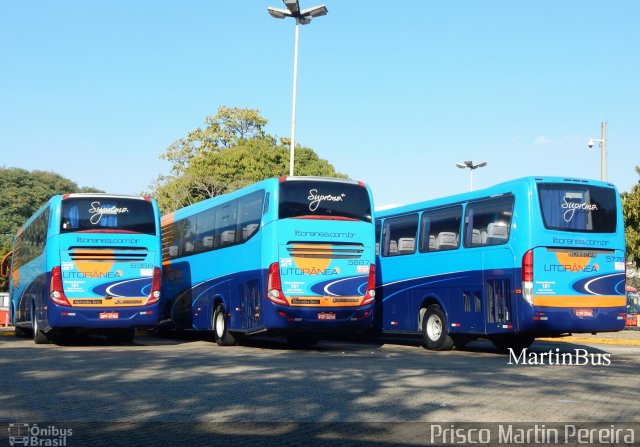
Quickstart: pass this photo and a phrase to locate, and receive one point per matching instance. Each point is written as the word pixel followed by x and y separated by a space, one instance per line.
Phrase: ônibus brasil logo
pixel 32 435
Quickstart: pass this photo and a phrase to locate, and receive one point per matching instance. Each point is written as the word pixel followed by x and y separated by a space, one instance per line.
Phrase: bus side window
pixel 488 222
pixel 250 214
pixel 226 223
pixel 206 238
pixel 400 235
pixel 440 229
pixel 188 235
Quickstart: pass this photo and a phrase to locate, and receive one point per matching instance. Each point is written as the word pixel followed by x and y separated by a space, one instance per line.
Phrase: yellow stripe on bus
pixel 580 300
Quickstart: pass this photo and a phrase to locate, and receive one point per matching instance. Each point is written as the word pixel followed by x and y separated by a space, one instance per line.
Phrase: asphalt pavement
pixel 627 337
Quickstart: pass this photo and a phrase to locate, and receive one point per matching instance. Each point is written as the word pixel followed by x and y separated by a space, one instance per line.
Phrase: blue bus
pixel 293 256
pixel 87 262
pixel 532 257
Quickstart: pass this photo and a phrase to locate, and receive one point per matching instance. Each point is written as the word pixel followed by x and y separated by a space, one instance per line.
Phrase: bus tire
pixel 221 334
pixel 434 330
pixel 39 337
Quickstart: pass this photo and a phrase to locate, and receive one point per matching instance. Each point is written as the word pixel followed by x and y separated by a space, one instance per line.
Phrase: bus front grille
pixel 107 253
pixel 325 251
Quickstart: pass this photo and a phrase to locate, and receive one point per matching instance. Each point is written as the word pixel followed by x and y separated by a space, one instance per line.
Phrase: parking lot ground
pixel 186 389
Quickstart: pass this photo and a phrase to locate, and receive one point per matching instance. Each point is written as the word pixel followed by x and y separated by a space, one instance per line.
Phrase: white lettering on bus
pixel 316 199
pixel 98 211
pixel 571 208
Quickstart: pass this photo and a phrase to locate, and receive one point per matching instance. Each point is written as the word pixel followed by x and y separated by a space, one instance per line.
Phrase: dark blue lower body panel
pixel 484 303
pixel 244 298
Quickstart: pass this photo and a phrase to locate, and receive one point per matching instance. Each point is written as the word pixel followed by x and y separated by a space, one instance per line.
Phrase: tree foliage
pixel 235 153
pixel 23 193
pixel 631 210
pixel 228 127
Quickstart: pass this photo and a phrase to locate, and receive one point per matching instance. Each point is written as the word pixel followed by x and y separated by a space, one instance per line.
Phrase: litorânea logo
pixel 32 435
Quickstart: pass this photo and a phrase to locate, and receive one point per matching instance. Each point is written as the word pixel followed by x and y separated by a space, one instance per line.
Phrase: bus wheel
pixel 39 337
pixel 434 330
pixel 221 333
pixel 515 342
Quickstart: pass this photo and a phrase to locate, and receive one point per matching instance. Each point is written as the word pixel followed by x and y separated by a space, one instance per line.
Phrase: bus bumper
pixel 324 319
pixel 557 320
pixel 104 317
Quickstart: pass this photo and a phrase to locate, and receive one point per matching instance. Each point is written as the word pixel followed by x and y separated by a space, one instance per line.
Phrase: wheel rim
pixel 220 324
pixel 434 327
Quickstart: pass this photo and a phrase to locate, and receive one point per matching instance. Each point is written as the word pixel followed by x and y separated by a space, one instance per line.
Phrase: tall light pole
pixel 303 17
pixel 469 164
pixel 603 150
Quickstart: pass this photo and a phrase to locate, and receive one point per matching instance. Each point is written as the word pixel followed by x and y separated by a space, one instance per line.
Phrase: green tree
pixel 23 193
pixel 228 127
pixel 631 210
pixel 236 153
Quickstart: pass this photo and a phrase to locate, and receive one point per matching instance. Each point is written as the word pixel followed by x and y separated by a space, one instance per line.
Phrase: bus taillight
pixel 154 296
pixel 527 276
pixel 370 295
pixel 56 292
pixel 274 285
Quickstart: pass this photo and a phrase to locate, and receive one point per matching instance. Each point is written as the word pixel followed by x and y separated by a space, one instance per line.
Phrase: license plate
pixel 108 315
pixel 584 313
pixel 326 316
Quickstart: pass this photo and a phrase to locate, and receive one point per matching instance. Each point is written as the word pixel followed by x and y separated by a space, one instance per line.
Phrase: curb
pixel 600 341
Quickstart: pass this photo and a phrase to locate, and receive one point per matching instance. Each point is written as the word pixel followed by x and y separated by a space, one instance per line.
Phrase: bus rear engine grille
pixel 107 253
pixel 325 251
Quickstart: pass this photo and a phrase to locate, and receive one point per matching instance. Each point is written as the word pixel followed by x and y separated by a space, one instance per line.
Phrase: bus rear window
pixel 107 214
pixel 579 208
pixel 324 199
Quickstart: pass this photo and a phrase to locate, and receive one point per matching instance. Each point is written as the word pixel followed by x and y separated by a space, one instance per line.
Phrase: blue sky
pixel 391 93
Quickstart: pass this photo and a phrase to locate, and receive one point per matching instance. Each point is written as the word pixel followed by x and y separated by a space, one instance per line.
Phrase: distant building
pixel 4 309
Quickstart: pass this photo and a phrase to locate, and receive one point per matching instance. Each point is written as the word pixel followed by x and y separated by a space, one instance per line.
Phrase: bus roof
pixel 101 195
pixel 498 189
pixel 269 184
pixel 57 199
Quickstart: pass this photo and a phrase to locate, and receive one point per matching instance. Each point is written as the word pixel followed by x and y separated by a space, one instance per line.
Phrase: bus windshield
pixel 579 208
pixel 324 199
pixel 107 214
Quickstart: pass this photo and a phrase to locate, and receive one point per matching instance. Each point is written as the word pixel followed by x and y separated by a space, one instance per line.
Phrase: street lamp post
pixel 469 164
pixel 303 17
pixel 603 150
